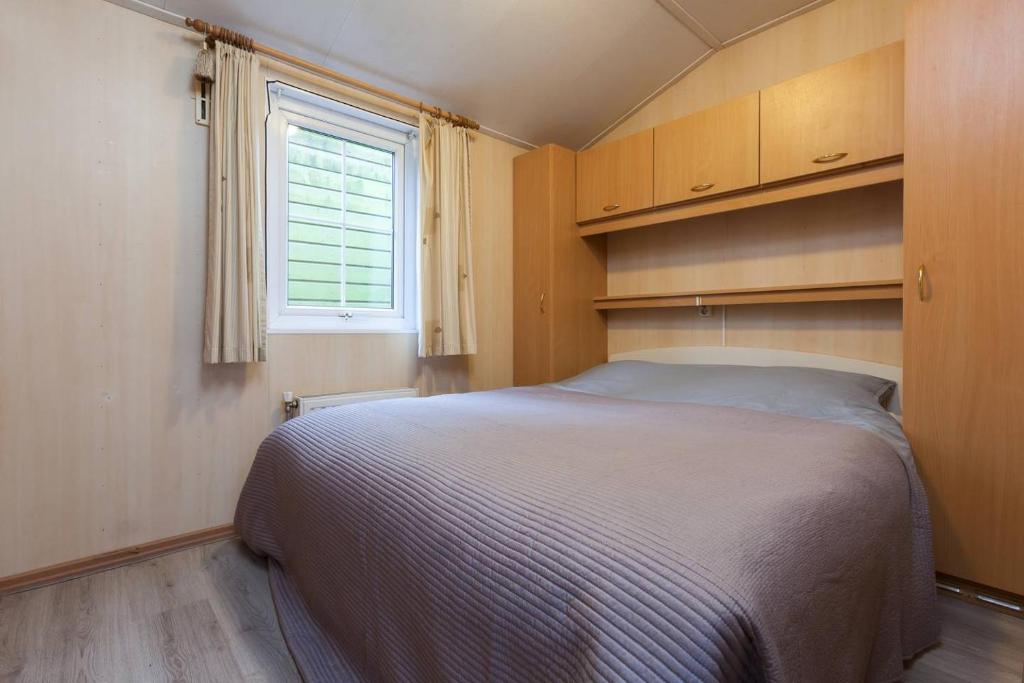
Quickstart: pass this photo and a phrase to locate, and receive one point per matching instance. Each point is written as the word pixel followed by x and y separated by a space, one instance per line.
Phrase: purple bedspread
pixel 537 534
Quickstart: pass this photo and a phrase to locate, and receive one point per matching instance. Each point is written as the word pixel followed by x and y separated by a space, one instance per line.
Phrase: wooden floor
pixel 202 614
pixel 205 614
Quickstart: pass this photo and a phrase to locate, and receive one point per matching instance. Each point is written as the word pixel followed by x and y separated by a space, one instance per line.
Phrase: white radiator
pixel 307 404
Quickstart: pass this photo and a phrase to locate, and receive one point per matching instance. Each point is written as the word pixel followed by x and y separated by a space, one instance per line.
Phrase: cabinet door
pixel 615 177
pixel 963 331
pixel 531 266
pixel 579 333
pixel 706 153
pixel 845 114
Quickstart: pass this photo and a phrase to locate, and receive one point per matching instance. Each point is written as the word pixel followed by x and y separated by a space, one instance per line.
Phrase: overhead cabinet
pixel 842 116
pixel 616 177
pixel 845 114
pixel 707 153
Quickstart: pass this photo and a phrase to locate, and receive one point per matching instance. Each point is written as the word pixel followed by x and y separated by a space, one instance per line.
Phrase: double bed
pixel 642 522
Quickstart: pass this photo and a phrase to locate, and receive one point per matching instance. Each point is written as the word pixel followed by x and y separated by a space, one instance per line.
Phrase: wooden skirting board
pixel 832 291
pixel 761 195
pixel 977 594
pixel 114 558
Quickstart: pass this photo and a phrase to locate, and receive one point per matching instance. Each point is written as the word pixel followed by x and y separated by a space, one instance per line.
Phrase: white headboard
pixel 738 355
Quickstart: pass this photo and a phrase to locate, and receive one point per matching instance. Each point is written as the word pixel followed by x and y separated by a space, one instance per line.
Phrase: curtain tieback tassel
pixel 205 64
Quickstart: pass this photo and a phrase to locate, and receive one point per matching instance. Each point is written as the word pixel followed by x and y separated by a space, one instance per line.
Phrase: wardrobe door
pixel 579 338
pixel 706 153
pixel 844 114
pixel 615 177
pixel 964 291
pixel 531 266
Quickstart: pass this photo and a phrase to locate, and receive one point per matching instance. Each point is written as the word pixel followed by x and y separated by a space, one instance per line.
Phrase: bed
pixel 640 522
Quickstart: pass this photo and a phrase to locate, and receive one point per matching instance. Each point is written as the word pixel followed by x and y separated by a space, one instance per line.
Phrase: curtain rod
pixel 247 43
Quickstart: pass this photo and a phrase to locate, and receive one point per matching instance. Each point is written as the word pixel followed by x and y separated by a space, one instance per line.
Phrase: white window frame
pixel 290 105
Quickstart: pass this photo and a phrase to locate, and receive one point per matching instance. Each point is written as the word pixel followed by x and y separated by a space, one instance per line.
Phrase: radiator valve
pixel 291 404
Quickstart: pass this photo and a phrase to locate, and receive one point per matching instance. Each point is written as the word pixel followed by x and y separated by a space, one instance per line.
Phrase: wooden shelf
pixel 834 291
pixel 764 194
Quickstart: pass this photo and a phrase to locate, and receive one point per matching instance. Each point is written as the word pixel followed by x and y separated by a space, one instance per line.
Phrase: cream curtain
pixel 447 315
pixel 235 325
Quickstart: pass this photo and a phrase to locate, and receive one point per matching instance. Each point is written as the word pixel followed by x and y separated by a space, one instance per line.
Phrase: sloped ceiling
pixel 535 70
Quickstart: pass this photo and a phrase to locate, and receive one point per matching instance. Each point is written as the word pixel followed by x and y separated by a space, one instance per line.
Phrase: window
pixel 341 212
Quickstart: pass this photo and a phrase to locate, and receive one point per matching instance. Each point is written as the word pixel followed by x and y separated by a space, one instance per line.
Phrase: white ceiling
pixel 536 70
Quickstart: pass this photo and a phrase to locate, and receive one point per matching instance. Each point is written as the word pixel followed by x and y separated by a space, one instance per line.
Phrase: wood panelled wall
pixel 112 431
pixel 828 34
pixel 855 235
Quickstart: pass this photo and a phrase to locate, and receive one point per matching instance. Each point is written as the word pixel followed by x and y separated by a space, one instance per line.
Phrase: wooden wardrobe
pixel 963 311
pixel 557 332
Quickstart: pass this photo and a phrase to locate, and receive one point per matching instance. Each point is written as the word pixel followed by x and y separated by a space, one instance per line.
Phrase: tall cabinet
pixel 964 290
pixel 557 331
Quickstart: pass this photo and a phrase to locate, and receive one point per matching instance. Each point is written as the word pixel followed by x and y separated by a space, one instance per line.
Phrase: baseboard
pixel 114 558
pixel 978 594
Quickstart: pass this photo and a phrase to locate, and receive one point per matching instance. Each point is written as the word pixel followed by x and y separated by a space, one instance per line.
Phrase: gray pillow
pixel 807 392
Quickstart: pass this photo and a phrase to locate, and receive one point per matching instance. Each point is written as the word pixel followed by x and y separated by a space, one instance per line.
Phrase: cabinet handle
pixel 920 282
pixel 612 207
pixel 542 302
pixel 702 187
pixel 829 158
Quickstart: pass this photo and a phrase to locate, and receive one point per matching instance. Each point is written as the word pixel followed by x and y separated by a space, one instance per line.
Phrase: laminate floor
pixel 205 614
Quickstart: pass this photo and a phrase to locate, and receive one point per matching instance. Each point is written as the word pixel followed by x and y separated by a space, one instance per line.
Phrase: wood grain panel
pixel 556 273
pixel 964 371
pixel 831 33
pixel 532 216
pixel 763 195
pixel 844 237
pixel 615 178
pixel 579 271
pixel 868 330
pixel 717 147
pixel 112 431
pixel 852 110
pixel 832 291
pixel 632 330
pixel 848 236
pixel 810 294
pixel 313 364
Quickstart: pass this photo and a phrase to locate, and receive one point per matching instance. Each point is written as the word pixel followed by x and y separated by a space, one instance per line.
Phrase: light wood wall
pixel 828 34
pixel 112 431
pixel 855 235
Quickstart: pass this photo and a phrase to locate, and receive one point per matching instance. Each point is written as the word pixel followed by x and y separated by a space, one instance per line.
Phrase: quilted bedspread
pixel 537 534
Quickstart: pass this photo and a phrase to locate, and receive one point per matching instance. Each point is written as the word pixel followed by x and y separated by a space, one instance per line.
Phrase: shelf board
pixel 786 294
pixel 758 196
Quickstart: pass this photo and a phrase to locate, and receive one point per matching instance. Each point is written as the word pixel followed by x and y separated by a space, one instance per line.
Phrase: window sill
pixel 347 330
pixel 332 325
